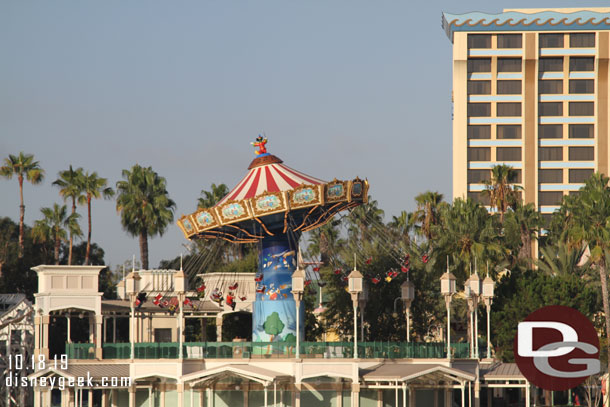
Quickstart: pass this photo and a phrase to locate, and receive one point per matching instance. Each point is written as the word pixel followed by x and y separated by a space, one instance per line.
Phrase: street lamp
pixel 362 300
pixel 407 293
pixel 355 288
pixel 448 289
pixel 488 295
pixel 298 287
pixel 180 288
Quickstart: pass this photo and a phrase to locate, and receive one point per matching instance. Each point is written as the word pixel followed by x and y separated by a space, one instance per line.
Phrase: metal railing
pixel 271 350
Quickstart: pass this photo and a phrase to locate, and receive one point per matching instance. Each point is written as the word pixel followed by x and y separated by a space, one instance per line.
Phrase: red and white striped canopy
pixel 268 175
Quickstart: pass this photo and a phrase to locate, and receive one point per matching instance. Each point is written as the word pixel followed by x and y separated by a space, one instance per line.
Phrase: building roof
pixel 501 371
pixel 406 372
pixel 250 372
pixel 524 20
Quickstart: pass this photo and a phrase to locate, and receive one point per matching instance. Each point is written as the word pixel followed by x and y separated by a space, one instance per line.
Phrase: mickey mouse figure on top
pixel 260 143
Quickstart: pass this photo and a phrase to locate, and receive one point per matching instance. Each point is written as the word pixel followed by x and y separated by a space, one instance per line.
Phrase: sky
pixel 340 88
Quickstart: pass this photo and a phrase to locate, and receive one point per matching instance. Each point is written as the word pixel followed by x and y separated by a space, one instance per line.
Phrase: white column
pixel 298 352
pixel 476 328
pixel 527 394
pixel 192 397
pixel 266 384
pixel 448 304
pixel 462 389
pixel 69 323
pixel 409 324
pixel 132 396
pixel 150 400
pixel 180 390
pixel 181 327
pixel 90 398
pixel 209 394
pixel 488 332
pixel 404 395
pixel 469 395
pixel 355 329
pixel 274 394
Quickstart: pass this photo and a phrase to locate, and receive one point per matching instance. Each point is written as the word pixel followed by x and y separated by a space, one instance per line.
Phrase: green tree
pixel 93 186
pixel 467 232
pixel 590 224
pixel 521 293
pixel 211 198
pixel 427 213
pixel 25 168
pixel 145 207
pixel 402 225
pixel 523 222
pixel 363 219
pixel 561 259
pixel 56 223
pixel 8 240
pixel 502 194
pixel 70 183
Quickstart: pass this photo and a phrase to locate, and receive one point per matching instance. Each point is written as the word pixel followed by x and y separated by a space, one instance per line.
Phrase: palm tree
pixel 211 198
pixel 325 241
pixel 501 193
pixel 466 232
pixel 70 183
pixel 145 207
pixel 24 167
pixel 427 212
pixel 92 186
pixel 560 259
pixel 524 221
pixel 53 226
pixel 402 225
pixel 590 224
pixel 363 218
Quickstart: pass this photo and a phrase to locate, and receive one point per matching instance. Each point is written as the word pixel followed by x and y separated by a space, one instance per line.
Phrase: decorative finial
pixel 260 143
pixel 180 261
pixel 447 263
pixel 354 261
pixel 133 263
pixel 487 268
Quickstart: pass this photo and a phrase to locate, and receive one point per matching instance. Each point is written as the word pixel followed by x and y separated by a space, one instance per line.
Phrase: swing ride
pixel 272 206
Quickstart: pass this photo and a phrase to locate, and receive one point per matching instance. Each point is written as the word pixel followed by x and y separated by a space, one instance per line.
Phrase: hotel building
pixel 530 90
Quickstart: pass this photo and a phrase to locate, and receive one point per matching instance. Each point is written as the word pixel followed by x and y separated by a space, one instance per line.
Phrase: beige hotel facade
pixel 530 90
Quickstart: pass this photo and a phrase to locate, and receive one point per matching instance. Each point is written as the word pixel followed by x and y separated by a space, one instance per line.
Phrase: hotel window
pixel 479 65
pixel 550 176
pixel 515 178
pixel 550 131
pixel 581 131
pixel 479 87
pixel 551 64
pixel 478 176
pixel 581 153
pixel 479 41
pixel 508 109
pixel 550 198
pixel 581 109
pixel 550 154
pixel 479 154
pixel 582 40
pixel 582 64
pixel 479 132
pixel 509 40
pixel 508 154
pixel 582 86
pixel 479 109
pixel 508 131
pixel 550 109
pixel 509 64
pixel 509 87
pixel 550 87
pixel 580 176
pixel 551 40
pixel 479 197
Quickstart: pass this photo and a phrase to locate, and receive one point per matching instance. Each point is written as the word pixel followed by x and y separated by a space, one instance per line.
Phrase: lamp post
pixel 488 295
pixel 298 286
pixel 355 288
pixel 180 288
pixel 448 289
pixel 407 293
pixel 132 283
pixel 362 300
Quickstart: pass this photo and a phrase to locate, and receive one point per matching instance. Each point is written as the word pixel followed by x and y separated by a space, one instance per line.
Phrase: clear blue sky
pixel 341 88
